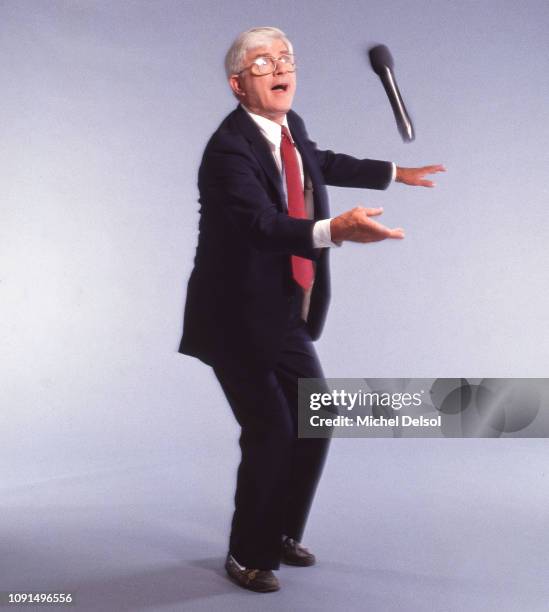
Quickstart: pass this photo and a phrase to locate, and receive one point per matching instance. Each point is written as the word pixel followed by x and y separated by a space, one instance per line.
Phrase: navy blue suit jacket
pixel 239 291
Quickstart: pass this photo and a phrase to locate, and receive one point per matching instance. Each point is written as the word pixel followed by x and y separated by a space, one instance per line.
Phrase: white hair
pixel 251 39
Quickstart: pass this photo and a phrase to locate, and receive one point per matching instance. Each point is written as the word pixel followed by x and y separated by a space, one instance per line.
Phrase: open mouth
pixel 280 87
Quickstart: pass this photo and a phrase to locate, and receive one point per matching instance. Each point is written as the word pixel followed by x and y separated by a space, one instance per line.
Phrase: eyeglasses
pixel 265 64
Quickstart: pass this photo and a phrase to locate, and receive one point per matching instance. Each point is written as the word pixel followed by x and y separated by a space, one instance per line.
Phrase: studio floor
pixel 407 525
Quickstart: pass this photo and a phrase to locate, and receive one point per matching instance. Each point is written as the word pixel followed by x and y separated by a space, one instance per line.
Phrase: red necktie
pixel 302 268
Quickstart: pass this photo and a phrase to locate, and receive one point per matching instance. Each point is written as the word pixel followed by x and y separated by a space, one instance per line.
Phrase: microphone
pixel 382 64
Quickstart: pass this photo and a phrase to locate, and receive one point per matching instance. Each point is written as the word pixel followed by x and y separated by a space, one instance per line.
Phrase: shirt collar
pixel 270 129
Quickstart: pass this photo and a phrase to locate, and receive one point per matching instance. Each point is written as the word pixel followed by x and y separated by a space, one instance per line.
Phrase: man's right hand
pixel 356 225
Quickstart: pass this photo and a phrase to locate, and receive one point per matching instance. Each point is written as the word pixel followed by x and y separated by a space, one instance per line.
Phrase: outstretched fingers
pixel 397 233
pixel 434 169
pixel 373 212
pixel 380 232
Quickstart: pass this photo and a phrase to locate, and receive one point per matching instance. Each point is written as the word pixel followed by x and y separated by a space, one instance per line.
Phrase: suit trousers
pixel 278 473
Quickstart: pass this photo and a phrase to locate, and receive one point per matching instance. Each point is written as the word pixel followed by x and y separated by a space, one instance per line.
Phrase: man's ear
pixel 234 83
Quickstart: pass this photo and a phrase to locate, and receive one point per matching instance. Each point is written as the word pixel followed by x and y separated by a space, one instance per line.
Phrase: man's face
pixel 268 95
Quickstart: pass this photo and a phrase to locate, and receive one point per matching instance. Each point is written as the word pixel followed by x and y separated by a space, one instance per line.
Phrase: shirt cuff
pixel 394 172
pixel 322 236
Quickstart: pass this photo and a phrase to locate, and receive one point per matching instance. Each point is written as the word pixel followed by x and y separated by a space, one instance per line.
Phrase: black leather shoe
pixel 261 581
pixel 293 553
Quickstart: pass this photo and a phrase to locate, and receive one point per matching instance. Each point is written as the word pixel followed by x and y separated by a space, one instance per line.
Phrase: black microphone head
pixel 380 58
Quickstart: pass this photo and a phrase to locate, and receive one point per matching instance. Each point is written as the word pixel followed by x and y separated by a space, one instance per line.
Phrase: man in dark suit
pixel 259 291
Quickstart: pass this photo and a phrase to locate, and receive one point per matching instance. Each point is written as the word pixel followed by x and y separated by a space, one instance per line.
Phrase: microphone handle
pixel 404 123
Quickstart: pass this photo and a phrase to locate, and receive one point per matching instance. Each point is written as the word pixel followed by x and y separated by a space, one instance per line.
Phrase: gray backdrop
pixel 106 108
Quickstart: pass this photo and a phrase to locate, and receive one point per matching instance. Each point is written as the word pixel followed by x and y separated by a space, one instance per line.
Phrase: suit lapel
pixel 261 150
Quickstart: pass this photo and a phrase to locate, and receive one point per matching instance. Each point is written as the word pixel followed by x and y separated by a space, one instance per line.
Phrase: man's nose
pixel 281 67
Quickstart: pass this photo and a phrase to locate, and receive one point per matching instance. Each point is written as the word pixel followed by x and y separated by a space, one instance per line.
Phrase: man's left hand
pixel 414 176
